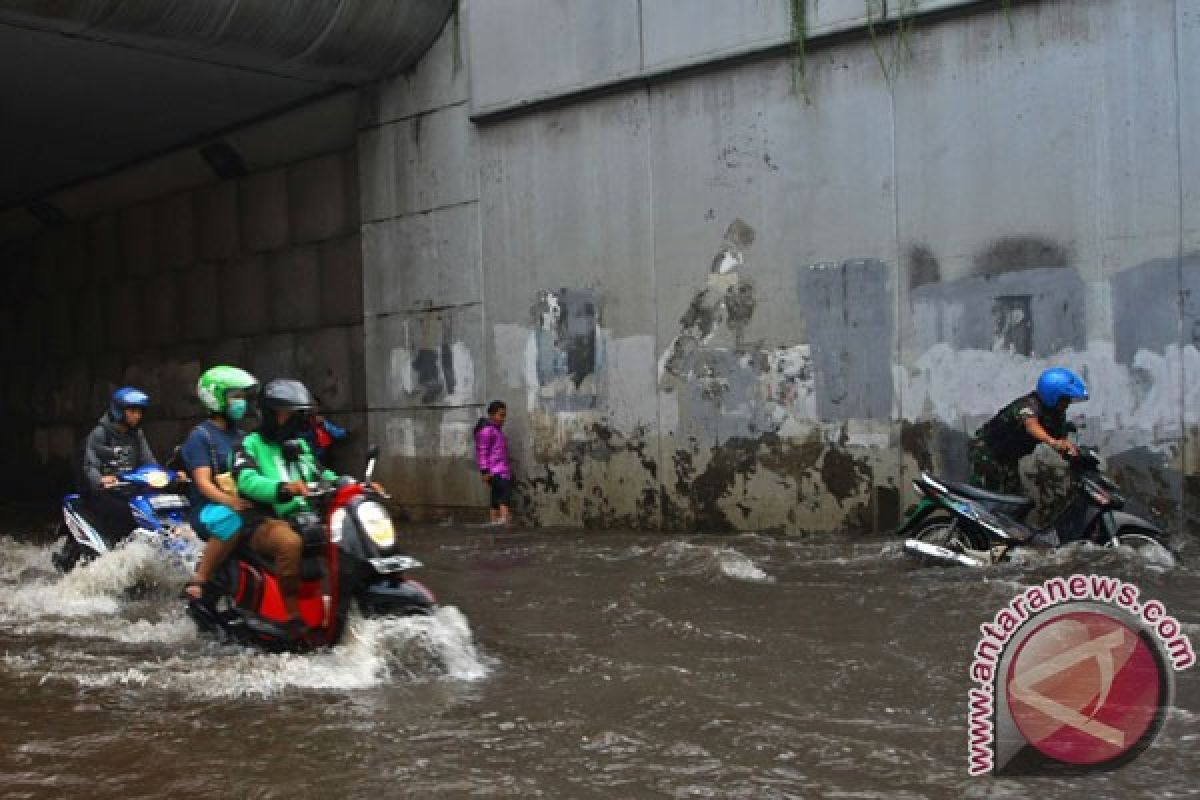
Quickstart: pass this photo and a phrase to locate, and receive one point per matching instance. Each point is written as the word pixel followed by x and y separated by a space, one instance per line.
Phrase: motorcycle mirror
pixel 372 457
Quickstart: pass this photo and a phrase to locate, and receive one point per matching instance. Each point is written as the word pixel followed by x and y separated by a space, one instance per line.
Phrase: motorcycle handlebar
pixel 319 490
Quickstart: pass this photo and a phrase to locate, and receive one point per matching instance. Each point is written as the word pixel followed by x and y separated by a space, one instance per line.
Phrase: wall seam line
pixel 1181 513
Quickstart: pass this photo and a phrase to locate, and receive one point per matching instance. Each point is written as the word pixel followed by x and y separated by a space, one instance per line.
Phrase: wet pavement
pixel 562 664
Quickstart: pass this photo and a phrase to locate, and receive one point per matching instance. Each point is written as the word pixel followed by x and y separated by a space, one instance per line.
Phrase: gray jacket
pixel 110 451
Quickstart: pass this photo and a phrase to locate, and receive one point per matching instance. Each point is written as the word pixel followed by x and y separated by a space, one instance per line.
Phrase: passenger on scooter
pixel 116 445
pixel 208 455
pixel 1039 417
pixel 277 487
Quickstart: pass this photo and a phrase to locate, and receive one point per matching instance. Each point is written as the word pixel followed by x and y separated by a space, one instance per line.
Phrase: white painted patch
pixel 464 376
pixel 551 311
pixel 532 387
pixel 1130 406
pixel 455 440
pixel 728 261
pixel 400 433
pixel 401 377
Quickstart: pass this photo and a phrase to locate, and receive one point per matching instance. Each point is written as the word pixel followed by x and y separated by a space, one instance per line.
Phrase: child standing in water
pixel 491 454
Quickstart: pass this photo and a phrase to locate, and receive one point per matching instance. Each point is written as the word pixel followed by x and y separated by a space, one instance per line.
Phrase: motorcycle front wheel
pixel 70 553
pixel 1148 547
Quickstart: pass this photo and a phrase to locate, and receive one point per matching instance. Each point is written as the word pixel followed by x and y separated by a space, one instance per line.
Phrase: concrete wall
pixel 712 302
pixel 264 272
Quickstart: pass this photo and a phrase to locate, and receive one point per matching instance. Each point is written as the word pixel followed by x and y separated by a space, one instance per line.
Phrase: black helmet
pixel 287 395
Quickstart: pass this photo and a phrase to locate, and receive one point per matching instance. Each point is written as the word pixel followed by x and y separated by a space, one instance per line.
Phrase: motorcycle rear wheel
pixel 943 532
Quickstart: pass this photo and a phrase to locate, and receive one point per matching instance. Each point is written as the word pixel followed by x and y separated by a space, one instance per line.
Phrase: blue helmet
pixel 126 397
pixel 1058 382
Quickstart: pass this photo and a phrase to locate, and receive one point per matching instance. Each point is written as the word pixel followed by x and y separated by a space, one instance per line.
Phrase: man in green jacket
pixel 278 487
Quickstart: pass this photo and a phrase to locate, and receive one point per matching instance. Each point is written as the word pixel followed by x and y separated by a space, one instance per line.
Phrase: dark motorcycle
pixel 350 559
pixel 959 525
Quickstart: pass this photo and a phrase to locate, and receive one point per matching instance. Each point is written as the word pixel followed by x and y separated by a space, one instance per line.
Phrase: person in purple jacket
pixel 491 454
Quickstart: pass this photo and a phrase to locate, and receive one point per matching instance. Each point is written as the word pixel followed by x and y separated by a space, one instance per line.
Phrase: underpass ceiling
pixel 73 108
pixel 88 87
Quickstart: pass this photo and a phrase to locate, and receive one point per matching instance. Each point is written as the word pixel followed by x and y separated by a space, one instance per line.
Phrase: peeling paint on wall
pixel 566 350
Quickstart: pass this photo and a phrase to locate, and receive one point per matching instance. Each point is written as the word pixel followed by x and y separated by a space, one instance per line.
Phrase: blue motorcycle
pixel 159 504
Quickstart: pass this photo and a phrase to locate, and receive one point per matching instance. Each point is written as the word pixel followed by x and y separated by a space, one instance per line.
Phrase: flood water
pixel 563 664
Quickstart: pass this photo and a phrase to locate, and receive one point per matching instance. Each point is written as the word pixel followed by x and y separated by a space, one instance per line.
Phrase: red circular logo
pixel 1085 688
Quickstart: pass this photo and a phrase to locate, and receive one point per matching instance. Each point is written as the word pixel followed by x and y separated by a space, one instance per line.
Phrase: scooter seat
pixel 1013 504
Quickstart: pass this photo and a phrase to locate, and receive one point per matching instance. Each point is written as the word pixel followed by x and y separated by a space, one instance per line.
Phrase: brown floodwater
pixel 562 664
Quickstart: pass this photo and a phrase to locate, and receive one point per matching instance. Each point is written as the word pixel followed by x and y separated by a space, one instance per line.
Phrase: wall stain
pixel 923 266
pixel 844 475
pixel 1016 253
pixel 584 467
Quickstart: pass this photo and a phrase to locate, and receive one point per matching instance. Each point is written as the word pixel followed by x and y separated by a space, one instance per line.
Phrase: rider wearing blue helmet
pixel 1039 417
pixel 115 445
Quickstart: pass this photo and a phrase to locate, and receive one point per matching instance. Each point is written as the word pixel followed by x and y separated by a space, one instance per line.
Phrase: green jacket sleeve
pixel 251 482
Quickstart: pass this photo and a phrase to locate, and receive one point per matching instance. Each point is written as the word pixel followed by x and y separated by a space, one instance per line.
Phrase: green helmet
pixel 217 382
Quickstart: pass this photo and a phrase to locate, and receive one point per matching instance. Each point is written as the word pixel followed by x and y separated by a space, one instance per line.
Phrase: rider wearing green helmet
pixel 225 391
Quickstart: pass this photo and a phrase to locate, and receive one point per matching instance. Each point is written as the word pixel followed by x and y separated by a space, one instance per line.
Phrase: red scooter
pixel 350 558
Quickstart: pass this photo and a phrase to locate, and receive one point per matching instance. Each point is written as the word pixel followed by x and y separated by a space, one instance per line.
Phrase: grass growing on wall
pixel 876 13
pixel 799 9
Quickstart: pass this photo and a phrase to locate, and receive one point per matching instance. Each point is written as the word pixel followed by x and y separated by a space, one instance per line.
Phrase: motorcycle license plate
pixel 166 502
pixel 394 564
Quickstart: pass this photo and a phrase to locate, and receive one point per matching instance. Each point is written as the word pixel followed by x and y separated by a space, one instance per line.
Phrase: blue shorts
pixel 217 520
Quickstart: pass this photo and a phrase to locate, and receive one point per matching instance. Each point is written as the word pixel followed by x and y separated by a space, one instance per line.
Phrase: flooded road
pixel 562 664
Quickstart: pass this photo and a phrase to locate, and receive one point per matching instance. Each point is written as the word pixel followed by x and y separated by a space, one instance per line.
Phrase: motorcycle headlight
pixel 377 524
pixel 157 479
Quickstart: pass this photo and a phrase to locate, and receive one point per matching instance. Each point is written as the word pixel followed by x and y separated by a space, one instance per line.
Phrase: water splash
pixel 711 562
pixel 95 588
pixel 376 652
pixel 109 638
